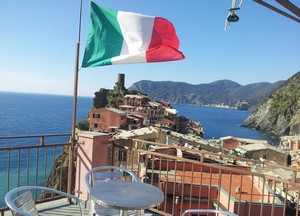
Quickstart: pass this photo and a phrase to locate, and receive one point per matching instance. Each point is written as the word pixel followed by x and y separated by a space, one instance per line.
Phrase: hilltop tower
pixel 120 84
pixel 121 81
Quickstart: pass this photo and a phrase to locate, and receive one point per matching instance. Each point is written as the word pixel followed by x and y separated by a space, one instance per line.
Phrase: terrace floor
pixel 62 207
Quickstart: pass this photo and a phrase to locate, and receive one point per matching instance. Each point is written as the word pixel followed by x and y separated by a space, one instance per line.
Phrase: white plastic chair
pixel 20 200
pixel 208 211
pixel 98 175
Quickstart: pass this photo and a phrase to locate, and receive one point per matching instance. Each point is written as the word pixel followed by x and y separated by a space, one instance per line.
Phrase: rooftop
pixel 117 111
pixel 256 147
pixel 136 132
pixel 136 96
pixel 244 140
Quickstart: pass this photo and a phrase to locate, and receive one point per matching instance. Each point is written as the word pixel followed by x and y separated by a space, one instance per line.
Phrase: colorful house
pixel 107 119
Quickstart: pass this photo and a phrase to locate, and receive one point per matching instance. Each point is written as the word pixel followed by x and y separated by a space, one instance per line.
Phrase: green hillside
pixel 279 113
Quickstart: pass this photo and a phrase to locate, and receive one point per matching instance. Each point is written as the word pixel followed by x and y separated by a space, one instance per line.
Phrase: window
pixel 96 115
pixel 122 156
pixel 95 125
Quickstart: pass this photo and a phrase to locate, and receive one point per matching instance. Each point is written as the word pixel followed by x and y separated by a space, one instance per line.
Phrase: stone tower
pixel 120 84
pixel 121 81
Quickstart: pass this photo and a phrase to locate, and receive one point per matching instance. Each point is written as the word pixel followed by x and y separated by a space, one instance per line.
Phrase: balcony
pixel 208 182
pixel 189 178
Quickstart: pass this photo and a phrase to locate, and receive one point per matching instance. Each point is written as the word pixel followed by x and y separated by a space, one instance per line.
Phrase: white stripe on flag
pixel 131 58
pixel 137 31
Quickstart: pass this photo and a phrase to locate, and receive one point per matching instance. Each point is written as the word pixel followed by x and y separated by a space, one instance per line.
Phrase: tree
pixel 100 99
pixel 113 99
pixel 83 125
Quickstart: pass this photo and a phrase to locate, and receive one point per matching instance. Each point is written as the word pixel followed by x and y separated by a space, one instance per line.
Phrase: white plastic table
pixel 126 195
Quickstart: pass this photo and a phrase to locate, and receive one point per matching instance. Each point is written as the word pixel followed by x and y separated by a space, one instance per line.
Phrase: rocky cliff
pixel 58 178
pixel 279 113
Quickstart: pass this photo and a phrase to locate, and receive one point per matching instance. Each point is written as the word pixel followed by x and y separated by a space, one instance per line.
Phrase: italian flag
pixel 117 37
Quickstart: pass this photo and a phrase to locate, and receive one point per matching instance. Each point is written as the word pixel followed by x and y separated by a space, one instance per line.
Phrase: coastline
pixel 219 106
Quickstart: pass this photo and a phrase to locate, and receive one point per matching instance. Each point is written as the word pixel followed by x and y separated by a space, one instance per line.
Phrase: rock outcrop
pixel 58 178
pixel 279 113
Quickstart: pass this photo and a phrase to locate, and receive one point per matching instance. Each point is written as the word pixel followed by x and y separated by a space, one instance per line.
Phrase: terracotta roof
pixel 212 179
pixel 168 121
pixel 116 111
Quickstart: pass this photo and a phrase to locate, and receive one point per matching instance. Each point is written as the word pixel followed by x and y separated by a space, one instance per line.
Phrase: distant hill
pixel 279 113
pixel 220 92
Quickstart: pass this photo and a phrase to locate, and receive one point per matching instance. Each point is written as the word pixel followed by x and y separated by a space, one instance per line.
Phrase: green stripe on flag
pixel 105 38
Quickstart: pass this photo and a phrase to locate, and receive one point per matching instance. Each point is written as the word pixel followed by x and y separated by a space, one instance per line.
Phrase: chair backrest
pixel 106 173
pixel 24 203
pixel 217 212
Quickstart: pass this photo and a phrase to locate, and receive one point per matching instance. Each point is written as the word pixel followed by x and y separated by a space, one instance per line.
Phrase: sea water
pixel 34 114
pixel 221 122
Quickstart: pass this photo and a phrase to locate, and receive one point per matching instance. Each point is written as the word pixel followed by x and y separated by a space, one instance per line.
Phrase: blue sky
pixel 38 41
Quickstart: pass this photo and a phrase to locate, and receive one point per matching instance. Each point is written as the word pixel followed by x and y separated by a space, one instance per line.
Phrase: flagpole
pixel 73 137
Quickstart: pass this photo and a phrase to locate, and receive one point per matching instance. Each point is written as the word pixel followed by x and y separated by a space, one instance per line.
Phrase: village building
pixel 167 124
pixel 135 121
pixel 127 108
pixel 230 142
pixel 107 120
pixel 291 143
pixel 164 104
pixel 135 100
pixel 136 111
pixel 156 111
pixel 264 152
pixel 169 112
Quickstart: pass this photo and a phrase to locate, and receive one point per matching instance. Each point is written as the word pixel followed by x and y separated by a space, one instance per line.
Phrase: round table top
pixel 126 195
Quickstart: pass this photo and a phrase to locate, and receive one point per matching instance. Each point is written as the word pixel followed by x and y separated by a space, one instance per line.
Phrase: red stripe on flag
pixel 164 42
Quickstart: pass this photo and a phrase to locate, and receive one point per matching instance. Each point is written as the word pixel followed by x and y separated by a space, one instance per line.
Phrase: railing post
pixel 70 170
pixel 294 176
pixel 113 153
pixel 135 158
pixel 135 145
pixel 202 157
pixel 42 140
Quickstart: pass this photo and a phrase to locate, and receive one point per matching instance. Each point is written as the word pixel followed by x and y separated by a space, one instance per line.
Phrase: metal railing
pixel 197 184
pixel 31 160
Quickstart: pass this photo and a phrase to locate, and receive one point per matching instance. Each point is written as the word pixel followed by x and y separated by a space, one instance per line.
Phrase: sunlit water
pixel 34 114
pixel 220 122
